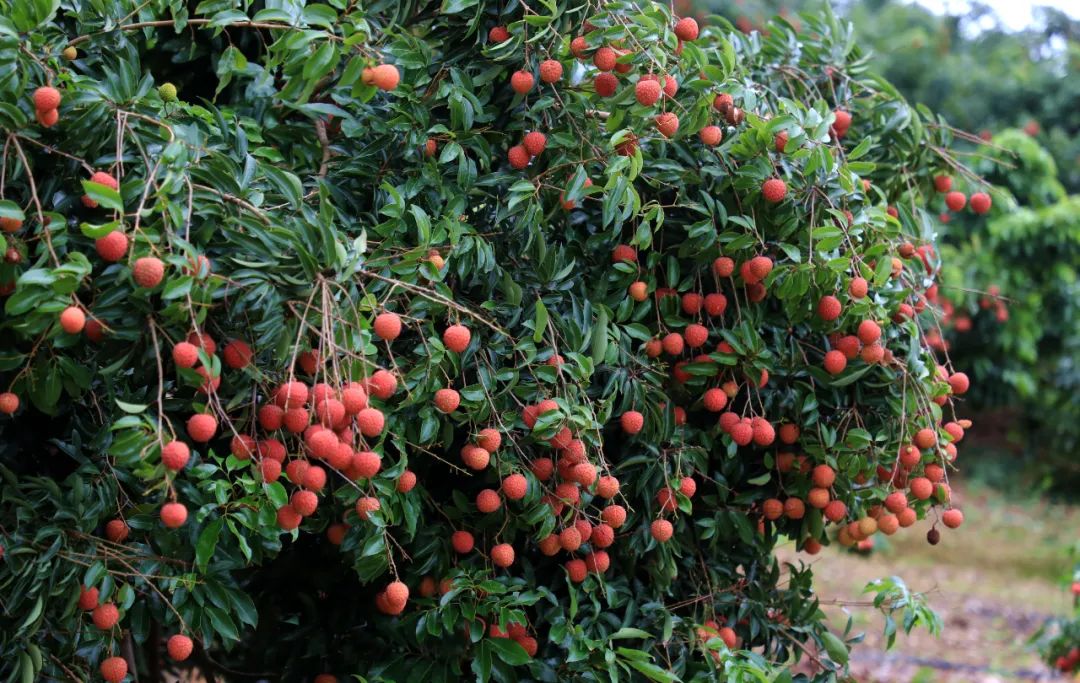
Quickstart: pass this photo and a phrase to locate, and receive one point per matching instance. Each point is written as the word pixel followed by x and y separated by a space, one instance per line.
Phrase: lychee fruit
pixel 835 362
pixel 488 501
pixel 456 338
pixel 522 82
pixel 955 201
pixel 959 383
pixel 498 34
pixel 518 157
pixel 828 308
pixel 173 515
pixel 148 272
pixel 869 332
pixel 46 98
pixel 174 455
pixel 114 669
pixel 462 541
pixel 112 247
pixel 632 422
pixel 385 77
pixel 366 505
pixel 921 488
pixel 551 70
pixel 502 555
pixel 773 190
pixel 9 403
pixel 179 647
pixel 686 29
pixel 371 422
pixel 647 92
pixel 605 84
pixel 952 518
pixel 605 59
pixel 858 288
pixel 661 530
pixel 534 142
pixel 201 427
pixel 668 124
pixel 288 519
pixel 72 320
pixel 980 202
pixel 447 400
pixel 711 135
pixel 515 486
pixel 387 326
pixel 117 530
pixel 237 355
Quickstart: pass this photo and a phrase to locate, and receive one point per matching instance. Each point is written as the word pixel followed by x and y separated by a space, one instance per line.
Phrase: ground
pixel 993 582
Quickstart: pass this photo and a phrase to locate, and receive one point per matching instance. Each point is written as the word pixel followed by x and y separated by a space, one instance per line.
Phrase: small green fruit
pixel 167 92
pixel 70 53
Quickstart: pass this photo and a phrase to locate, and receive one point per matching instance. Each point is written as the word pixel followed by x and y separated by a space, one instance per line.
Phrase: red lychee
pixel 46 98
pixel 456 338
pixel 179 647
pixel 686 29
pixel 174 455
pixel 72 320
pixel 522 82
pixel 117 530
pixel 148 272
pixel 462 541
pixel 632 421
pixel 647 92
pixel 534 143
pixel 835 362
pixel 173 515
pixel 112 247
pixel 387 326
pixel 498 34
pixel 955 200
pixel 201 427
pixel 668 124
pixel 773 190
pixel 828 308
pixel 605 59
pixel 114 669
pixel 385 77
pixel 661 530
pixel 980 202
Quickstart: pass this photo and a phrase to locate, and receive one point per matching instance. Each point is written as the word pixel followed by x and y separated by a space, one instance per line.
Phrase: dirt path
pixel 993 582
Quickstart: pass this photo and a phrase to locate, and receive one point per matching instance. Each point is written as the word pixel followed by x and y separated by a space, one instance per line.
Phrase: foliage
pixel 1058 640
pixel 1017 316
pixel 292 190
pixel 891 595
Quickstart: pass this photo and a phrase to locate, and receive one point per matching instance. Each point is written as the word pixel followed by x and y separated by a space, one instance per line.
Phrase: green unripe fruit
pixel 167 92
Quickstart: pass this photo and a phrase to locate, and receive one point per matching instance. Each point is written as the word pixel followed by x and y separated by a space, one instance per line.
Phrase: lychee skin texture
pixel 661 530
pixel 605 59
pixel 632 422
pixel 456 338
pixel 858 288
pixel 605 84
pixel 959 383
pixel 534 143
pixel 148 272
pixel 105 616
pixel 829 308
pixel 387 326
pixel 647 92
pixel 835 362
pixel 980 202
pixel 515 486
pixel 447 400
pixel 201 427
pixel 174 455
pixel 711 135
pixel 371 422
pixel 288 519
pixel 668 124
pixel 921 488
pixel 397 594
pixel 952 518
pixel 869 332
pixel 942 183
pixel 72 320
pixel 112 247
pixel 955 201
pixel 385 77
pixel 117 530
pixel 488 501
pixel 462 541
pixel 773 190
pixel 9 403
pixel 173 515
pixel 179 647
pixel 577 570
pixel 46 98
pixel 522 82
pixel 114 669
pixel 498 34
pixel 551 70
pixel 686 29
pixel 237 354
pixel 518 157
pixel 502 555
pixel 47 118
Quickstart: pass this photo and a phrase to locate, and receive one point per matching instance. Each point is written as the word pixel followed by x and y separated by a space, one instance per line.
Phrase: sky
pixel 1014 14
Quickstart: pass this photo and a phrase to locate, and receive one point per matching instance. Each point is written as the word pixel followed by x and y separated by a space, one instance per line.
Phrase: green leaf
pixel 837 649
pixel 207 543
pixel 509 651
pixel 103 195
pixel 540 321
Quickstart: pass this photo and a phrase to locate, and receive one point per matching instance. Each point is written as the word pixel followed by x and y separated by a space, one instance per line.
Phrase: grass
pixel 993 581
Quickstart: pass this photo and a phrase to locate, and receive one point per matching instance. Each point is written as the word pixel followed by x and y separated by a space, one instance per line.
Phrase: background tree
pixel 423 341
